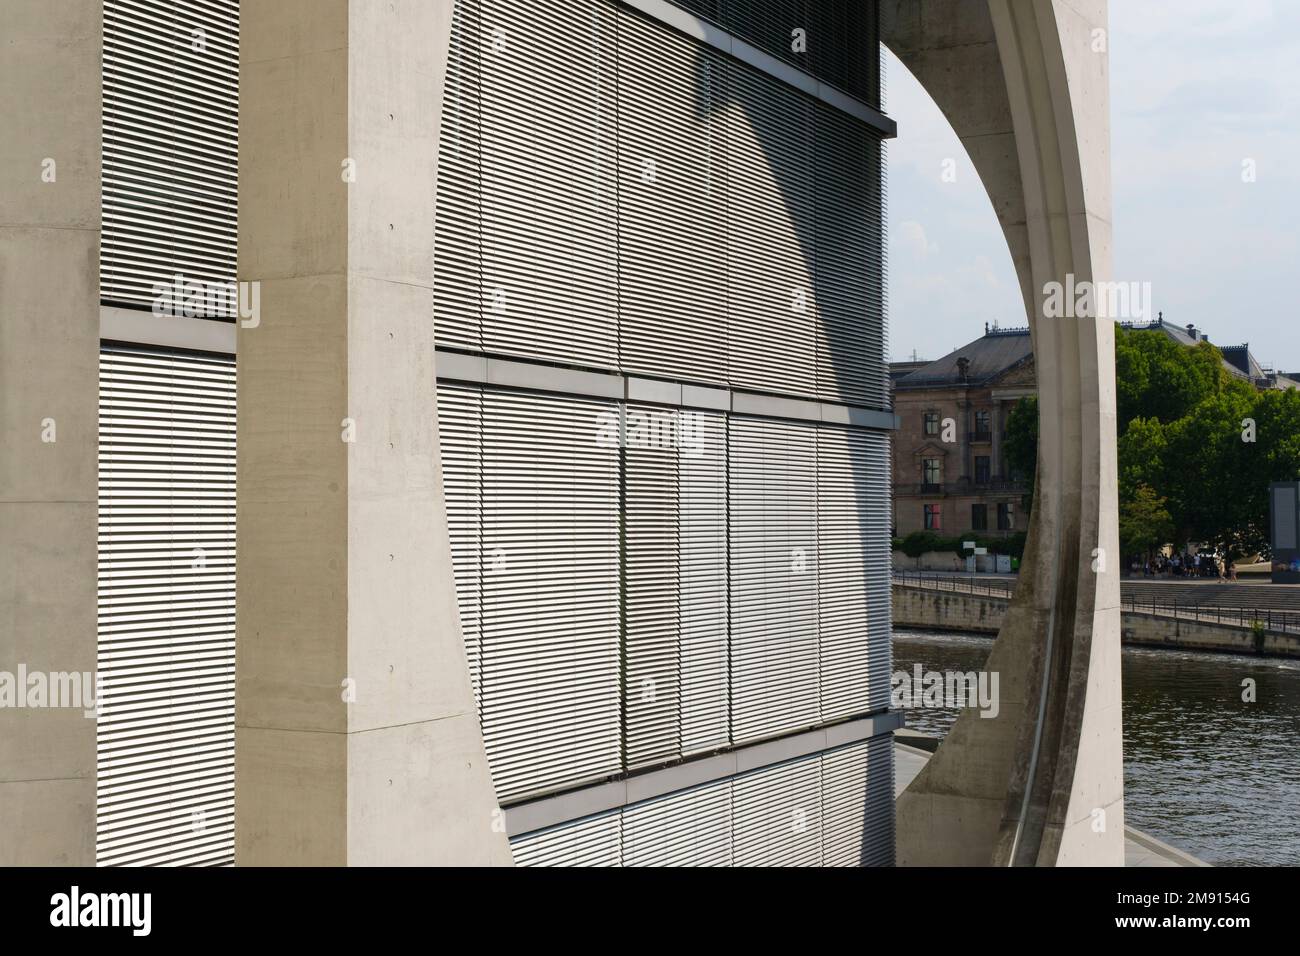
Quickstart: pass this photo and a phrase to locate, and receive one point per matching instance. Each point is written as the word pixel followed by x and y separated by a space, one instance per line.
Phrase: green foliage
pixel 1021 445
pixel 1144 522
pixel 1186 472
pixel 921 542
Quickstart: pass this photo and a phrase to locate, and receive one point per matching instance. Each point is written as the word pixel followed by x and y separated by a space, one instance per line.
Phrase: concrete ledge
pixel 536 376
pixel 138 327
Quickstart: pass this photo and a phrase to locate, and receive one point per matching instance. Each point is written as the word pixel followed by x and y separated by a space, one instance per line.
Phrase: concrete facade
pixel 356 735
pixel 49 355
pixel 1025 86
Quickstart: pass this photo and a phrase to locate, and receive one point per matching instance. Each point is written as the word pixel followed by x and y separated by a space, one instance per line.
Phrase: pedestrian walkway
pixel 1140 850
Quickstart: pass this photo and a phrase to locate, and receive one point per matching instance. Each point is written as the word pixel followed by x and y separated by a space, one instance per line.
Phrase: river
pixel 1204 770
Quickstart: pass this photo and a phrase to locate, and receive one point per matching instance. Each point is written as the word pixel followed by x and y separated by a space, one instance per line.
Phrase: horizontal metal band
pixel 537 376
pixel 718 38
pixel 138 327
pixel 548 811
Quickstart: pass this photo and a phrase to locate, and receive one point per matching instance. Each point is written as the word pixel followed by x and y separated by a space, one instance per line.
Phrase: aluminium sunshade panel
pixel 165 786
pixel 170 147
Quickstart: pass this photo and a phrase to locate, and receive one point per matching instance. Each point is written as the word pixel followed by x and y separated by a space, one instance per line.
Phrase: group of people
pixel 1187 565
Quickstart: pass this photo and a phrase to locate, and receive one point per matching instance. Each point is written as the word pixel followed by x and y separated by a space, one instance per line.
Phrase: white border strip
pixel 138 327
pixel 716 37
pixel 548 811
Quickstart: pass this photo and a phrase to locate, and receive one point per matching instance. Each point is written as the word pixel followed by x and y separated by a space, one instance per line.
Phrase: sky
pixel 1198 87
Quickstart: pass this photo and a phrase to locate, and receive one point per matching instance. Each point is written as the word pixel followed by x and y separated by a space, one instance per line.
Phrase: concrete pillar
pixel 50 54
pixel 1025 86
pixel 356 735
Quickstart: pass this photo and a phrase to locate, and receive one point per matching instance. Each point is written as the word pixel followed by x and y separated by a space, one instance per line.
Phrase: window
pixel 983 423
pixel 979 517
pixel 932 471
pixel 1006 516
pixel 982 470
pixel 932 423
pixel 933 517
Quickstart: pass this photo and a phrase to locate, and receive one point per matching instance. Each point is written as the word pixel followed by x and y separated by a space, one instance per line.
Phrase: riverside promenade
pixel 1140 849
pixel 1252 619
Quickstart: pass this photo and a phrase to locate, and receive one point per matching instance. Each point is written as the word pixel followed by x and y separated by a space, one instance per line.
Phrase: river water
pixel 1204 770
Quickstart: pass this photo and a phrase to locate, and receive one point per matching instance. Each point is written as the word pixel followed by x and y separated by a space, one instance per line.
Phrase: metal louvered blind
pixel 650 562
pixel 702 580
pixel 170 149
pixel 460 436
pixel 549 673
pixel 852 564
pixel 771 248
pixel 829 809
pixel 165 787
pixel 591 841
pixel 458 294
pixel 686 828
pixel 851 364
pixel 858 804
pixel 840 36
pixel 547 167
pixel 777 815
pixel 773 593
pixel 672 198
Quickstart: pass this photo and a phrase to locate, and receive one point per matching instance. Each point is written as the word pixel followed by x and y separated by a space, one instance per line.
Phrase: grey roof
pixel 990 355
pixel 1239 357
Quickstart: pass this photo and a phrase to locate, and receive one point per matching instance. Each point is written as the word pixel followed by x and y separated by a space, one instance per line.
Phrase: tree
pixel 1144 522
pixel 1021 445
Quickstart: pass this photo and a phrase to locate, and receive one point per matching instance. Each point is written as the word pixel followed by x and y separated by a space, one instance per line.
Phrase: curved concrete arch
pixel 1025 86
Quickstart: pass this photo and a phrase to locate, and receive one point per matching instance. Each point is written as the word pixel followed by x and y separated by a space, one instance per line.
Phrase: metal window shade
pixel 590 841
pixel 842 36
pixel 851 362
pixel 686 828
pixel 773 577
pixel 458 296
pixel 460 434
pixel 771 246
pixel 671 204
pixel 549 681
pixel 166 608
pixel 702 580
pixel 857 804
pixel 875 461
pixel 548 180
pixel 776 815
pixel 852 571
pixel 650 568
pixel 170 145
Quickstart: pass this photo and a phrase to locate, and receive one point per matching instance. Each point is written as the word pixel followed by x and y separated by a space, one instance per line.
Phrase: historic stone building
pixel 949 462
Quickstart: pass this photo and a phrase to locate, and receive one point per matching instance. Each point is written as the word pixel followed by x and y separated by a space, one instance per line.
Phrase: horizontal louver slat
pixel 773 594
pixel 170 147
pixel 165 786
pixel 549 681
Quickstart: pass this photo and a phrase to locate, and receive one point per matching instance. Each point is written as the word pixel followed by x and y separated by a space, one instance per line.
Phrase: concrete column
pixel 356 735
pixel 50 53
pixel 1025 86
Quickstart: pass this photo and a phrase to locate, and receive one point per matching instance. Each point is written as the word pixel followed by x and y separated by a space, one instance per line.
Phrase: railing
pixel 948 582
pixel 1272 620
pixel 978 436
